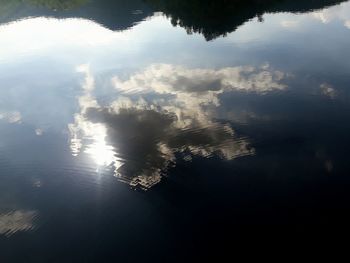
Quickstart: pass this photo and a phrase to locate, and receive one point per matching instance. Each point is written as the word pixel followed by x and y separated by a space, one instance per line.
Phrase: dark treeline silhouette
pixel 113 14
pixel 212 18
pixel 219 17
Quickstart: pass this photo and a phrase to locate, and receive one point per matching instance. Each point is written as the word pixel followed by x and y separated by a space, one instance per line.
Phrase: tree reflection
pixel 210 18
pixel 113 14
pixel 220 17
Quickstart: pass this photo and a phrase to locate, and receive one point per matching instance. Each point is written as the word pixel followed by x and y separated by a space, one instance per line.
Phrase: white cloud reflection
pixel 44 32
pixel 328 90
pixel 164 113
pixel 339 12
pixel 164 78
pixel 11 116
pixel 192 89
pixel 17 221
pixel 81 37
pixel 290 23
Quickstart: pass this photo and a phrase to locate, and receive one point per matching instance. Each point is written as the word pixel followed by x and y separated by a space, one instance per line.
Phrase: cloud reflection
pixel 328 90
pixel 339 12
pixel 17 221
pixel 163 114
pixel 11 116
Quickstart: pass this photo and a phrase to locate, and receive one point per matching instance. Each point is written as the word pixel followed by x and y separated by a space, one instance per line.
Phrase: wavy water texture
pixel 17 221
pixel 143 138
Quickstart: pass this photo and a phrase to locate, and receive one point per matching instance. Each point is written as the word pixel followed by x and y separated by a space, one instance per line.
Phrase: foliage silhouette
pixel 220 17
pixel 211 18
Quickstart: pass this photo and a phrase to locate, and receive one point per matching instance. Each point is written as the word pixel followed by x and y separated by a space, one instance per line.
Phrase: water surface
pixel 169 130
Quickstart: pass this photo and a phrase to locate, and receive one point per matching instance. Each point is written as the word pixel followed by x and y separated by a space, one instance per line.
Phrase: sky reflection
pixel 174 85
pixel 237 121
pixel 146 137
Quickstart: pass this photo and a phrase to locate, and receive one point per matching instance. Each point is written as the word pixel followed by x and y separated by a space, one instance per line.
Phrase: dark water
pixel 171 131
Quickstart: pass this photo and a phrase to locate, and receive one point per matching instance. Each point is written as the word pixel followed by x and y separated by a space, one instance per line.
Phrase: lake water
pixel 170 131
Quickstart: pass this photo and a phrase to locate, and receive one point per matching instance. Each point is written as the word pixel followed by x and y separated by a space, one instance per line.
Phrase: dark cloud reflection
pixel 143 138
